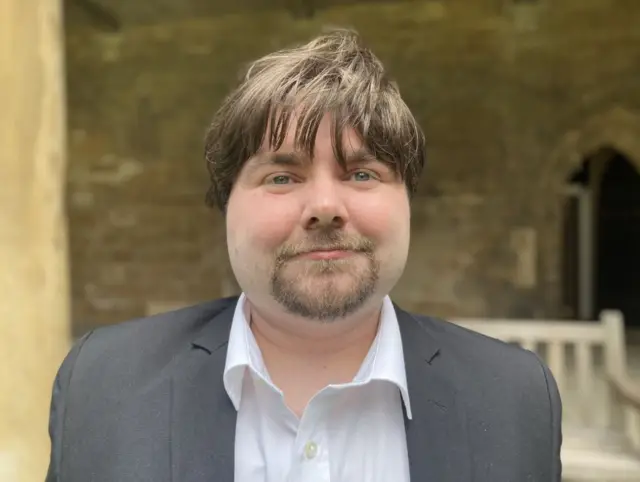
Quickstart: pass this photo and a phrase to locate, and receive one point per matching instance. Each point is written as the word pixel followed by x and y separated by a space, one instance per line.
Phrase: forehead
pixel 298 134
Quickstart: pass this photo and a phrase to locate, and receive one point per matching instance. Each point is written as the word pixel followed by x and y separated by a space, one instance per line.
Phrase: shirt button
pixel 310 450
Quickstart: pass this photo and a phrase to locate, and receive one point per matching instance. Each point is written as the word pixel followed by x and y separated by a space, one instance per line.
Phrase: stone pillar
pixel 34 282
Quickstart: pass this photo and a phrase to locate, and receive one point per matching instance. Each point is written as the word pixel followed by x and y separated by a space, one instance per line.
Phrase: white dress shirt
pixel 352 432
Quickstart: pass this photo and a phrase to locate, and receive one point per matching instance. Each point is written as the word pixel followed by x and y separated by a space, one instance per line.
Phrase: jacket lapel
pixel 437 439
pixel 203 419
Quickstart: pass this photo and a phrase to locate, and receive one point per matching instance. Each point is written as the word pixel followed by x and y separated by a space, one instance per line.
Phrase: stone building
pixel 519 101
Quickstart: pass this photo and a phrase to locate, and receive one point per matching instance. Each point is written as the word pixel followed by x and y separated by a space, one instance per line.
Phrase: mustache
pixel 325 242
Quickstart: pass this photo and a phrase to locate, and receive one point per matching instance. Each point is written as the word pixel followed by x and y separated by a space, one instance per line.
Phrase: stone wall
pixel 511 95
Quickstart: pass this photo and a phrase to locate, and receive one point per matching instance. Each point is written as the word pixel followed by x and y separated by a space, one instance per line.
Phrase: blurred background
pixel 529 207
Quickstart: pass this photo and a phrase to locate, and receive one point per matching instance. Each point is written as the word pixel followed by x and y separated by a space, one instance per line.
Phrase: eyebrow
pixel 359 157
pixel 288 159
pixel 293 159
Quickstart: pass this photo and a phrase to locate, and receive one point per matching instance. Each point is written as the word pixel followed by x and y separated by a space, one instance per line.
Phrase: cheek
pixel 260 222
pixel 385 220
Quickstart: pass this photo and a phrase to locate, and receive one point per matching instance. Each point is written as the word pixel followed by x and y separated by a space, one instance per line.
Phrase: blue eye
pixel 281 179
pixel 361 176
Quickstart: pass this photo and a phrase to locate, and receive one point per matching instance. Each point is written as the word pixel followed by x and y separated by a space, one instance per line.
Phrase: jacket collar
pixel 203 417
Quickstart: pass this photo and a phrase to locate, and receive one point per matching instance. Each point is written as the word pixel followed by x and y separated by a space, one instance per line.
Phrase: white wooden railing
pixel 601 419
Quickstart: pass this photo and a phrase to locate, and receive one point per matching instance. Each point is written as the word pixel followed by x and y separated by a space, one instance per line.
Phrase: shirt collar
pixel 384 361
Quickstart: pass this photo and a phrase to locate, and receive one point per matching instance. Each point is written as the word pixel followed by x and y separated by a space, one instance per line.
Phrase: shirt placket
pixel 311 448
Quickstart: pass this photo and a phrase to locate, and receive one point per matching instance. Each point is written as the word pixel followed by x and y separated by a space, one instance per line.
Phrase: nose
pixel 325 207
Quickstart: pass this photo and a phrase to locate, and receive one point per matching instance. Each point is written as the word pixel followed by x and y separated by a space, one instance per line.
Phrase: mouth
pixel 326 254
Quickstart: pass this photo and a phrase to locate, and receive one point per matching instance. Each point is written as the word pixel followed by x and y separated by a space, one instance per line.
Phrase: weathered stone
pixel 511 106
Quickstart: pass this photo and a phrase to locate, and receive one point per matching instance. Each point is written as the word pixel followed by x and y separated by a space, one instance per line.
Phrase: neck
pixel 303 356
pixel 297 337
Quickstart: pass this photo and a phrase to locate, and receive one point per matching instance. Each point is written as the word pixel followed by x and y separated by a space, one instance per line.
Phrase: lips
pixel 327 254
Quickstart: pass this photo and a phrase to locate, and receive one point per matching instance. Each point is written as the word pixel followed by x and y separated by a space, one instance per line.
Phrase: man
pixel 313 373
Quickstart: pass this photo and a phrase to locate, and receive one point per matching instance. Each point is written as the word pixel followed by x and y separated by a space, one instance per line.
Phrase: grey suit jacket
pixel 144 401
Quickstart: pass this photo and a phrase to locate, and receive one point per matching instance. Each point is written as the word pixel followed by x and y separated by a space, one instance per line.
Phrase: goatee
pixel 330 301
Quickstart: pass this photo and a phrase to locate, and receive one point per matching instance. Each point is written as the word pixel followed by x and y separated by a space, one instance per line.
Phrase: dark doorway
pixel 618 240
pixel 601 238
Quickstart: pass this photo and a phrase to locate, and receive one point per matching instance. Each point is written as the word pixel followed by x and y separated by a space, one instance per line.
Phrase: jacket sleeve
pixel 58 408
pixel 555 405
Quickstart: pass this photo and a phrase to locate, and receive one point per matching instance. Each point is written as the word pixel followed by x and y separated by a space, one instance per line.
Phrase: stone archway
pixel 617 129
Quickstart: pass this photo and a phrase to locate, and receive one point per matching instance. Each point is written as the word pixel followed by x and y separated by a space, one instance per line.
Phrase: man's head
pixel 313 159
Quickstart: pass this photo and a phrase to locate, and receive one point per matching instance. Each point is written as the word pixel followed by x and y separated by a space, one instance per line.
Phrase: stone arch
pixel 618 128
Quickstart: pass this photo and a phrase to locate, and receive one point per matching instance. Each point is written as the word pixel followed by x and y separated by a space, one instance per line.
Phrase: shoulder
pixel 469 345
pixel 508 392
pixel 478 362
pixel 173 328
pixel 141 347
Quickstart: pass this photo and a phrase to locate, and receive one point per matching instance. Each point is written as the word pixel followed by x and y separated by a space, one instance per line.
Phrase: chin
pixel 331 280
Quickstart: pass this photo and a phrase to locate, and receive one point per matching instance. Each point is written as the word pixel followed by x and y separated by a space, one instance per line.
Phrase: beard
pixel 326 289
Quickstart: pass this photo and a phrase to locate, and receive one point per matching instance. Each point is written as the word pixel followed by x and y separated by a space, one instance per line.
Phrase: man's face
pixel 319 240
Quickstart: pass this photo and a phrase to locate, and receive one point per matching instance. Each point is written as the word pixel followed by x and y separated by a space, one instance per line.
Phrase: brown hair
pixel 332 74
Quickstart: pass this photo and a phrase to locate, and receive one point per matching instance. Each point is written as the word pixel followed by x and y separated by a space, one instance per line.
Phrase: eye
pixel 362 176
pixel 280 179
